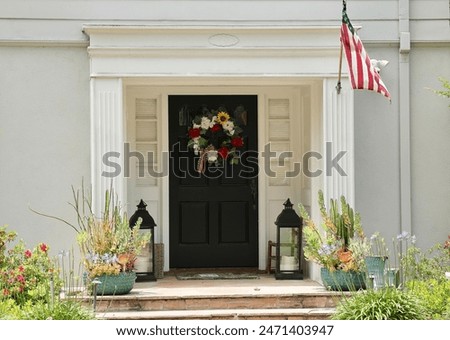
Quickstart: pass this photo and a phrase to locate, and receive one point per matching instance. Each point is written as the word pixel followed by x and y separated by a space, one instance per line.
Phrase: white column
pixel 107 138
pixel 338 136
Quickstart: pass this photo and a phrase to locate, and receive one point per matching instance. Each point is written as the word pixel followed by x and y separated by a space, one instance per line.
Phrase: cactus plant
pixel 334 248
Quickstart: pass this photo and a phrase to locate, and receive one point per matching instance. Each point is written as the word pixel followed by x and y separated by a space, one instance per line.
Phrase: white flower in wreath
pixel 229 126
pixel 195 126
pixel 205 123
pixel 212 156
pixel 196 148
pixel 213 121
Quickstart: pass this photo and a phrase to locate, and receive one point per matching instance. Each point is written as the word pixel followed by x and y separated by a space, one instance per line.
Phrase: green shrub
pixel 9 310
pixel 63 310
pixel 445 91
pixel 421 265
pixel 434 295
pixel 383 304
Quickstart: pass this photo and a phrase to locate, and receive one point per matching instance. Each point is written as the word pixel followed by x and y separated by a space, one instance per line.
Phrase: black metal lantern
pixel 289 241
pixel 145 262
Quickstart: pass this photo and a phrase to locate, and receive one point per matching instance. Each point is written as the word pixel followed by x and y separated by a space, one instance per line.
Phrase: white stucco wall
pixel 430 137
pixel 377 187
pixel 378 139
pixel 44 139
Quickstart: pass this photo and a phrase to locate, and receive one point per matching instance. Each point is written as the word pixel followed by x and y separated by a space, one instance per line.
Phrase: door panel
pixel 213 215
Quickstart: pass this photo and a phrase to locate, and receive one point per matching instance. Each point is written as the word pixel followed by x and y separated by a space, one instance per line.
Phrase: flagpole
pixel 338 86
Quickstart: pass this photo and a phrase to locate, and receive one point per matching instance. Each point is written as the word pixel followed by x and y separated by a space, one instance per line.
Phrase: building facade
pixel 96 90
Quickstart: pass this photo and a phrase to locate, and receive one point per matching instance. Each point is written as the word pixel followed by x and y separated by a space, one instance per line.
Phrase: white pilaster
pixel 338 132
pixel 405 117
pixel 107 138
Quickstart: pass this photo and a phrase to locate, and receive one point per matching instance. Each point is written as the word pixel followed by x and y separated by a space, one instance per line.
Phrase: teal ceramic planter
pixel 376 270
pixel 340 280
pixel 116 284
pixel 393 277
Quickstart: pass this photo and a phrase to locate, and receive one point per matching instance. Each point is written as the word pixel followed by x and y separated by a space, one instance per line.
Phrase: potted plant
pixel 339 247
pixel 109 247
pixel 376 262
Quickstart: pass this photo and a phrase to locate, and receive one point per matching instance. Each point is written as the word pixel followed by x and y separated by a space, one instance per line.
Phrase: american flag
pixel 363 75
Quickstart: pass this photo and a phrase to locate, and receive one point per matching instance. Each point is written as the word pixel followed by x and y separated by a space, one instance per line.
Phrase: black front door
pixel 213 196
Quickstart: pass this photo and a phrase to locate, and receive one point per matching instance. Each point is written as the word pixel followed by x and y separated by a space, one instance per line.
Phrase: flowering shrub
pixel 108 244
pixel 215 137
pixel 29 282
pixel 25 274
pixel 421 265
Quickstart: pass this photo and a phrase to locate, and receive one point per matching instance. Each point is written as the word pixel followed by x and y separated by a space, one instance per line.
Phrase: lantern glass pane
pixel 289 249
pixel 144 261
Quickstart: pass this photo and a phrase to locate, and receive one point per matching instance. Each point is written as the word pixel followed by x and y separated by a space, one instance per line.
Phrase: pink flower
pixel 20 278
pixel 5 292
pixel 28 253
pixel 21 269
pixel 43 247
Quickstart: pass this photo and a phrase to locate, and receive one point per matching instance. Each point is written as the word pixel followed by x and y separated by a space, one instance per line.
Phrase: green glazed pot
pixel 375 270
pixel 340 280
pixel 116 284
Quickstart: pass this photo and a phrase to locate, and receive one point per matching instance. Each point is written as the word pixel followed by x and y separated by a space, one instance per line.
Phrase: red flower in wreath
pixel 215 137
pixel 223 152
pixel 194 133
pixel 237 142
pixel 216 128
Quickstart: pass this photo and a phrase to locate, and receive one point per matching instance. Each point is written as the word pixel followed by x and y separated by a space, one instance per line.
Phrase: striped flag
pixel 363 75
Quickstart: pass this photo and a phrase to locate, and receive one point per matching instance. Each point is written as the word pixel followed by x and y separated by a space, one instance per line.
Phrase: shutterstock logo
pixel 267 162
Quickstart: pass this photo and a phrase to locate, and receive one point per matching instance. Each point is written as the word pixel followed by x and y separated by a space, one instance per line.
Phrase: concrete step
pixel 222 314
pixel 263 298
pixel 223 302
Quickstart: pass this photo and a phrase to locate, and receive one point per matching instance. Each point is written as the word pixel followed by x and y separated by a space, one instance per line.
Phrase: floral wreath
pixel 215 137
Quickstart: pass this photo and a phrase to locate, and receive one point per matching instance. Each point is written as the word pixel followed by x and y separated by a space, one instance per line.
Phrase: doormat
pixel 217 276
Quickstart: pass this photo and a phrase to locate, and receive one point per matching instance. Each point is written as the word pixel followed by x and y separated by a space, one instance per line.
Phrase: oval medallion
pixel 223 40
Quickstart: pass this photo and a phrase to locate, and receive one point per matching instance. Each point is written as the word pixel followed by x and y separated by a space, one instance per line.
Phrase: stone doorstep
pixel 208 297
pixel 216 303
pixel 223 314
